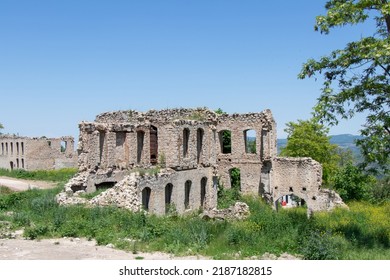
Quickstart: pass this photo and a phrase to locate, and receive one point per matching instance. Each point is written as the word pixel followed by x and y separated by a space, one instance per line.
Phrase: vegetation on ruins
pixel 356 78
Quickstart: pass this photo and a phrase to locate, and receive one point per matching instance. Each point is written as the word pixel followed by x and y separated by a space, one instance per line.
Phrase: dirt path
pixel 23 185
pixel 72 249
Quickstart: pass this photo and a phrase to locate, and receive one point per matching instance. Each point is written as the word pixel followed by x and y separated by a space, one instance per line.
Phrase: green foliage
pixel 363 232
pixel 320 246
pixel 310 139
pixel 356 78
pixel 60 175
pixel 162 160
pixel 352 183
pixel 228 196
pixel 380 193
pixel 251 146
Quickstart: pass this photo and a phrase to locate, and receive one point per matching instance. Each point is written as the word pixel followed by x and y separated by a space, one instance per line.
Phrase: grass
pixel 43 175
pixel 363 232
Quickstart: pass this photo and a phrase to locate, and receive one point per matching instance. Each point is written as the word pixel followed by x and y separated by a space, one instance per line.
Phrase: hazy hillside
pixel 346 141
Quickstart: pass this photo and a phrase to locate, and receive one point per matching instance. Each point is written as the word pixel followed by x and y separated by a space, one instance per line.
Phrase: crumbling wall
pixel 301 177
pixel 37 153
pixel 188 151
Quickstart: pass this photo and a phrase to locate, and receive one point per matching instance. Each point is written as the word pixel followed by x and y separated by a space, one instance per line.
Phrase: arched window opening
pixel 102 138
pixel 235 179
pixel 146 193
pixel 64 146
pixel 187 193
pixel 225 140
pixel 186 139
pixel 290 201
pixel 250 141
pixel 168 197
pixel 203 184
pixel 199 148
pixel 153 145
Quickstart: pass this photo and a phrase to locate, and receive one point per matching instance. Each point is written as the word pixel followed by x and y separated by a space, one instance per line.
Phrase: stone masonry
pixel 175 158
pixel 42 153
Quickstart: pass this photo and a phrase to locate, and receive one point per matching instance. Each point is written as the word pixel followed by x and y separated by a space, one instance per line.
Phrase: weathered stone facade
pixel 193 149
pixel 37 153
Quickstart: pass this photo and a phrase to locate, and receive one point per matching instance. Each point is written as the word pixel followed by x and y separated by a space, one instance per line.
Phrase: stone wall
pixel 190 150
pixel 37 153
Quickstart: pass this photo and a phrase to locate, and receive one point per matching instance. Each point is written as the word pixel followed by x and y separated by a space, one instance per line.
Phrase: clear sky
pixel 62 62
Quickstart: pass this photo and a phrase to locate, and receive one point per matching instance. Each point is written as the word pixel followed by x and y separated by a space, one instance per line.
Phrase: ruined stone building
pixel 36 153
pixel 158 159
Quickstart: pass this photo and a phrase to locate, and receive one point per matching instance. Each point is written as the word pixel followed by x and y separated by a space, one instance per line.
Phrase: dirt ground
pixel 23 185
pixel 72 249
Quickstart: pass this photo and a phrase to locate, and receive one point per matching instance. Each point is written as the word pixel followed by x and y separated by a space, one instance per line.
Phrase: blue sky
pixel 62 62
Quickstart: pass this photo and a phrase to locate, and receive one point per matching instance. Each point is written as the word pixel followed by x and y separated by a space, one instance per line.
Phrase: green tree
pixel 356 78
pixel 353 184
pixel 310 139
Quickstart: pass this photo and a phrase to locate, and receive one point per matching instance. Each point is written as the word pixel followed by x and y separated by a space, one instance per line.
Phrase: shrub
pixel 352 184
pixel 320 246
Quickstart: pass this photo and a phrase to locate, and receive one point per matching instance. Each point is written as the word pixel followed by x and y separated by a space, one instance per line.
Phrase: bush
pixel 352 184
pixel 320 246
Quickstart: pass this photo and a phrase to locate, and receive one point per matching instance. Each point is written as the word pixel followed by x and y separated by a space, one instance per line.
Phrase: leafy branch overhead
pixel 356 78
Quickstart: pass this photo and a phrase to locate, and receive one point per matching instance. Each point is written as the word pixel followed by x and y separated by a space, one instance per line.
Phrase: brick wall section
pixel 36 153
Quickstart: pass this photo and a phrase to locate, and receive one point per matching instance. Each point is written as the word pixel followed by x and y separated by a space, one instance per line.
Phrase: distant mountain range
pixel 345 141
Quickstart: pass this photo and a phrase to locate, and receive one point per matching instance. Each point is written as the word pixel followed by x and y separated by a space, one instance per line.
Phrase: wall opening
pixel 102 137
pixel 250 141
pixel 17 163
pixel 187 193
pixel 225 140
pixel 22 147
pixel 140 145
pixel 203 184
pixel 168 197
pixel 186 139
pixel 290 201
pixel 153 145
pixel 120 139
pixel 22 163
pixel 2 148
pixel 49 143
pixel 64 146
pixel 6 148
pixel 235 179
pixel 105 185
pixel 12 148
pixel 199 141
pixel 11 165
pixel 17 148
pixel 146 192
